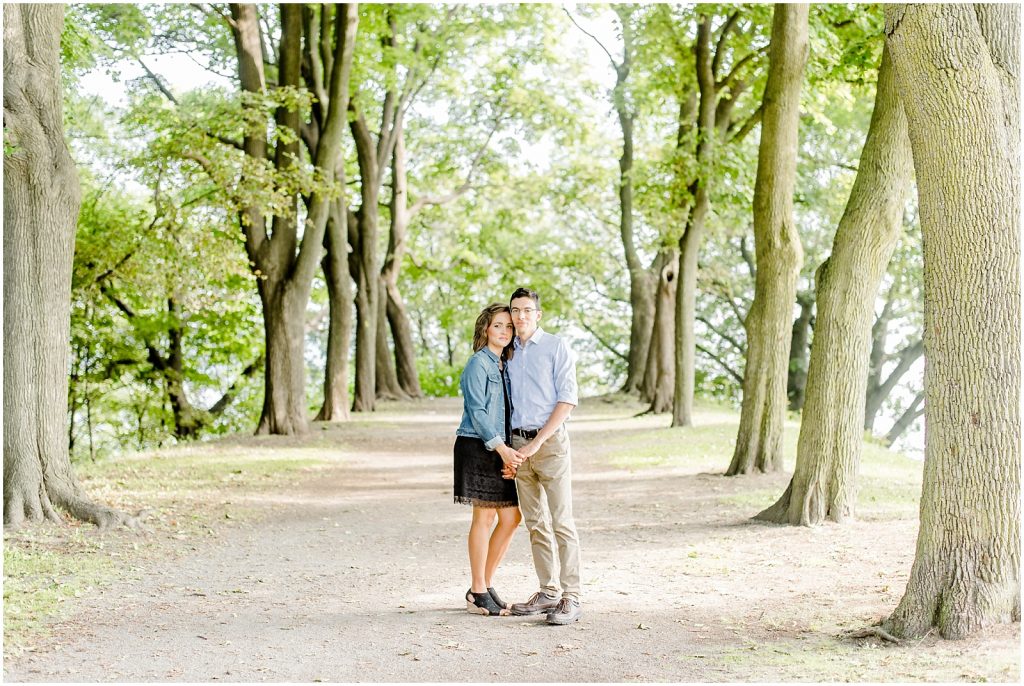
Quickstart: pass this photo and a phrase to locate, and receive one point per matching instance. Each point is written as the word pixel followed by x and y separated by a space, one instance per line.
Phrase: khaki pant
pixel 544 483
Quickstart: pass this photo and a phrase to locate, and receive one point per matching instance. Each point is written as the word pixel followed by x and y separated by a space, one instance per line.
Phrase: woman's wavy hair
pixel 484 321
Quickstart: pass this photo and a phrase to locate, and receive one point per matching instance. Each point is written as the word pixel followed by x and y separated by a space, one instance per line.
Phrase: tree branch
pixel 214 11
pixel 721 363
pixel 729 24
pixel 229 395
pixel 734 72
pixel 157 80
pixel 611 59
pixel 753 120
pixel 602 341
pixel 742 349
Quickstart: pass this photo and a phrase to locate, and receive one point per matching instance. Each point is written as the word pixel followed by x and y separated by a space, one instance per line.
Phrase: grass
pixel 889 482
pixel 188 493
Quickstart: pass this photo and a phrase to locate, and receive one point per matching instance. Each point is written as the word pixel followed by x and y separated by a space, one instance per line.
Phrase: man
pixel 542 377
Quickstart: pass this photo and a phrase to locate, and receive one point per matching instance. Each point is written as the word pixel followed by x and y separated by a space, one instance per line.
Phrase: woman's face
pixel 499 331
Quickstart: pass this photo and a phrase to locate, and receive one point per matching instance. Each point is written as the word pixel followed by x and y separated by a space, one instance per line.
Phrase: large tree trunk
pixel 641 285
pixel 685 352
pixel 387 387
pixel 398 319
pixel 693 235
pixel 799 352
pixel 777 250
pixel 958 73
pixel 284 395
pixel 659 377
pixel 824 483
pixel 284 264
pixel 41 201
pixel 339 331
pixel 367 289
pixel 187 420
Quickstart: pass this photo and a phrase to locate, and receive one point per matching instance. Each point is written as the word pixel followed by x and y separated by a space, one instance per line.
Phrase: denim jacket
pixel 483 406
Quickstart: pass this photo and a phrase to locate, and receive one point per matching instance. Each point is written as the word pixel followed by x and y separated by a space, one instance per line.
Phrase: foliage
pixel 512 115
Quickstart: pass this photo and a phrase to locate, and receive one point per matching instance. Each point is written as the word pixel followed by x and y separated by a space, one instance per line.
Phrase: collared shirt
pixel 542 374
pixel 483 400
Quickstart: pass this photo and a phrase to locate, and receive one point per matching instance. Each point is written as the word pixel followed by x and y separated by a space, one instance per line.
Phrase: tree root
pixel 869 632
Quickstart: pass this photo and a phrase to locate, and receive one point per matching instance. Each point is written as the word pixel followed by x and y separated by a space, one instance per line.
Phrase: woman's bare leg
pixel 508 521
pixel 479 533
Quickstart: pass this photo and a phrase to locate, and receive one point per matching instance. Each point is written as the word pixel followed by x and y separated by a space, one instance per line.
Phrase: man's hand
pixel 530 449
pixel 510 456
pixel 508 472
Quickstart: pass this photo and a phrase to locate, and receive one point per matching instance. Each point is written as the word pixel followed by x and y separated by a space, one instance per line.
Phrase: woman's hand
pixel 510 456
pixel 508 472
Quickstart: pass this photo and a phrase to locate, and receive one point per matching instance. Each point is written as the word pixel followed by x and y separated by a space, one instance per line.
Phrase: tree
pixel 707 116
pixel 41 201
pixel 641 284
pixel 174 277
pixel 284 264
pixel 777 249
pixel 824 483
pixel 958 74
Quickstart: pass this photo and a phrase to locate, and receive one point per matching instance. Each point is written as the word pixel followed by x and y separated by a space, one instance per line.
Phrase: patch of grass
pixel 673 447
pixel 189 492
pixel 39 577
pixel 889 481
pixel 755 499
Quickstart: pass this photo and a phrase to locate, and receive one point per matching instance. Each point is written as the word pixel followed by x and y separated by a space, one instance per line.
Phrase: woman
pixel 482 449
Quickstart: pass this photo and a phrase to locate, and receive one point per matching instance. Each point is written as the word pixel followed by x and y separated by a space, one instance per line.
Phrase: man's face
pixel 525 316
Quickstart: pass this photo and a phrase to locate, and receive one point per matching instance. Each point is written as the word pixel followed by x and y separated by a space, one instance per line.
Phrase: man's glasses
pixel 526 310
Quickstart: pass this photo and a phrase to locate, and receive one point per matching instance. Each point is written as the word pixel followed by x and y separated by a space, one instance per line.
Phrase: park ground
pixel 341 557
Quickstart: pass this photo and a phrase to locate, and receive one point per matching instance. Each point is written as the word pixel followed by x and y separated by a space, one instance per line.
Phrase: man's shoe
pixel 566 612
pixel 539 602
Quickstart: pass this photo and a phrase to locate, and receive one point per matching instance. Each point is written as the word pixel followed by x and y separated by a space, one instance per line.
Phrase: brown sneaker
pixel 566 612
pixel 539 602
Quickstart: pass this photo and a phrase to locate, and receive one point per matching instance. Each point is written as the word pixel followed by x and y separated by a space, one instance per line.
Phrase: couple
pixel 512 449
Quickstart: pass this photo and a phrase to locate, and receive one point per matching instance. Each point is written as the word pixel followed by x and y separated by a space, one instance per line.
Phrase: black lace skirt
pixel 478 476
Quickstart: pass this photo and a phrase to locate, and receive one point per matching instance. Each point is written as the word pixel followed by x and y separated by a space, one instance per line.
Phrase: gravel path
pixel 358 576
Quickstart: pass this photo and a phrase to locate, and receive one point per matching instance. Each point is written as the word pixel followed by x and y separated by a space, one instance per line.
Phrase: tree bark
pixel 958 72
pixel 659 377
pixel 799 352
pixel 693 235
pixel 398 320
pixel 824 483
pixel 387 387
pixel 41 201
pixel 777 250
pixel 339 329
pixel 319 65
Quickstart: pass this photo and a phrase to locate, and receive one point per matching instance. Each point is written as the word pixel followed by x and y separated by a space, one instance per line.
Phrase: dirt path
pixel 358 576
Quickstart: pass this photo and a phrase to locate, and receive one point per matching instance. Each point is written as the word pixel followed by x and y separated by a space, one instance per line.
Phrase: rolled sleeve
pixel 564 370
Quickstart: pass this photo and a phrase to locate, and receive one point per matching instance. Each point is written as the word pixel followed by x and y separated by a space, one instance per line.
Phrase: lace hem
pixel 477 502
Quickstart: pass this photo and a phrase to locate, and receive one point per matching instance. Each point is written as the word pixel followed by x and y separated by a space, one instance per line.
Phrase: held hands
pixel 510 456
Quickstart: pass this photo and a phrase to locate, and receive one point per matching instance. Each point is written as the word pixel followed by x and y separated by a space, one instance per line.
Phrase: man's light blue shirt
pixel 542 374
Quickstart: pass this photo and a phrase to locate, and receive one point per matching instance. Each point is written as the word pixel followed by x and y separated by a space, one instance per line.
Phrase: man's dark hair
pixel 525 293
